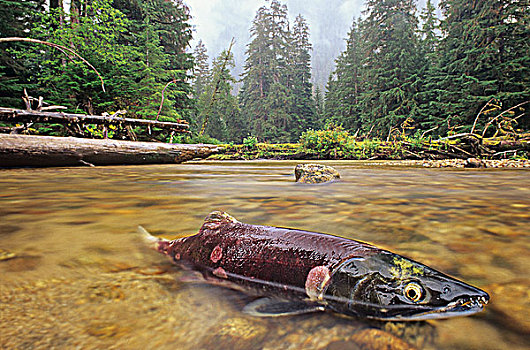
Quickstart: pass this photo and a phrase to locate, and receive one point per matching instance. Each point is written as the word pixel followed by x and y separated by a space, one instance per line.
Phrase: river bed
pixel 75 274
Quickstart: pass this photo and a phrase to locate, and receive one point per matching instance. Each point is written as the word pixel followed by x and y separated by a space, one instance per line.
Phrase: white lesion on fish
pixel 316 282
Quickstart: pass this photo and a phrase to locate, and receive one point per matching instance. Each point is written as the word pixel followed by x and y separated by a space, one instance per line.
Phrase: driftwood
pixel 46 151
pixel 469 146
pixel 24 116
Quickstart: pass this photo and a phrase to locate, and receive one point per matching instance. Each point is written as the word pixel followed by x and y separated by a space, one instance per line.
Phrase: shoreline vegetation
pixel 459 150
pixel 292 151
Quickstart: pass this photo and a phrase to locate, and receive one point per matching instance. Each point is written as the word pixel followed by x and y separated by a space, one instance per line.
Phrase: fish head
pixel 387 286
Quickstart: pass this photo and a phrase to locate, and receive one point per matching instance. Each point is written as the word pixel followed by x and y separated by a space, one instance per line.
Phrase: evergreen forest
pixel 402 71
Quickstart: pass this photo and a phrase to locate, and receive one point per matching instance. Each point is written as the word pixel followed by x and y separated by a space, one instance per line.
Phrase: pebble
pixel 236 333
pixel 6 255
pixel 376 339
pixel 463 163
pixel 510 303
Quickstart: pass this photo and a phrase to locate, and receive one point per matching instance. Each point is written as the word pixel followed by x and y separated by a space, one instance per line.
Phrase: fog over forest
pixel 217 21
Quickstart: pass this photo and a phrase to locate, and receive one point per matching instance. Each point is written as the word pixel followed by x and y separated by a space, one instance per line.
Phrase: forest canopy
pixel 401 69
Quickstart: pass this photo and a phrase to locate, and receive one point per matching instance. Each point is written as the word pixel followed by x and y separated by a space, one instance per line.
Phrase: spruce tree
pixel 217 107
pixel 266 95
pixel 303 108
pixel 201 70
pixel 483 56
pixel 427 88
pixel 138 47
pixel 391 64
pixel 16 19
pixel 345 84
pixel 430 23
pixel 319 107
pixel 257 76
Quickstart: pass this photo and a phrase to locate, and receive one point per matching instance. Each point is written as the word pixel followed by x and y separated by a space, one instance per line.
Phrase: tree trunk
pixel 47 151
pixel 24 116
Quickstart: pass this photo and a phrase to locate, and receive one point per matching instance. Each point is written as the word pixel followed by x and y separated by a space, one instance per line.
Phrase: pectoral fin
pixel 268 307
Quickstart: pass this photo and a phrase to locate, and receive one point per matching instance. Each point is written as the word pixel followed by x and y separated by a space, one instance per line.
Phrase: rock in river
pixel 315 173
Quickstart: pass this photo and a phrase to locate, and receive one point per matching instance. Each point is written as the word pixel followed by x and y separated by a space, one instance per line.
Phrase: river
pixel 75 274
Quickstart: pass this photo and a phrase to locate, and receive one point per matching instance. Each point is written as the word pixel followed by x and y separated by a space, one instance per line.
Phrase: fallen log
pixel 48 151
pixel 24 116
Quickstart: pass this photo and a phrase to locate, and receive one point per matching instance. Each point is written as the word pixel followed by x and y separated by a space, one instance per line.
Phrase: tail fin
pixel 152 241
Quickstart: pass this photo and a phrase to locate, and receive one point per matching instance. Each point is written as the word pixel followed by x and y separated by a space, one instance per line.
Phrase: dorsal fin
pixel 219 217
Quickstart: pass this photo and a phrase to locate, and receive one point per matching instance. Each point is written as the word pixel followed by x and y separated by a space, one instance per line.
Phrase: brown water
pixel 81 277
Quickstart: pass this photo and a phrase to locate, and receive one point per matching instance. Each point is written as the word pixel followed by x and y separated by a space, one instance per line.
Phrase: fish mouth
pixel 462 306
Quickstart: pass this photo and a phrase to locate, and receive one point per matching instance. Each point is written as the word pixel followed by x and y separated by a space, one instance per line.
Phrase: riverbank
pixel 450 153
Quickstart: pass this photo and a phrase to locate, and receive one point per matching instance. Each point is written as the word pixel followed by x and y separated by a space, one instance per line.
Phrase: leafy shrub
pixel 195 139
pixel 333 142
pixel 250 142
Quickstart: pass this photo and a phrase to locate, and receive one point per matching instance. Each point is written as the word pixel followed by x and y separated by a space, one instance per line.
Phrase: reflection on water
pixel 75 274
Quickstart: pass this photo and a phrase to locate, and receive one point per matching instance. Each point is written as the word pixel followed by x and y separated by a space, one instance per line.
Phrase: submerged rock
pixel 511 304
pixel 237 333
pixel 474 163
pixel 375 339
pixel 315 173
pixel 6 255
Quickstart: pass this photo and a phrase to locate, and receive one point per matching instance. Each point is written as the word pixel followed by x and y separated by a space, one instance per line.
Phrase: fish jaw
pixel 464 306
pixel 376 287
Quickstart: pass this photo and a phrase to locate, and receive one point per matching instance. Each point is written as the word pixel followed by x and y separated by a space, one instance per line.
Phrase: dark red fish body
pixel 319 271
pixel 274 260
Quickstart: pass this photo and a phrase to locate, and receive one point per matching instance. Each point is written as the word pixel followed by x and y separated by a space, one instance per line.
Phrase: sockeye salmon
pixel 299 271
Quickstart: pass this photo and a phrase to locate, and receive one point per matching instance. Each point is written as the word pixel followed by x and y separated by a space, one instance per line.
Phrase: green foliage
pixel 441 74
pixel 334 142
pixel 482 56
pixel 138 47
pixel 16 18
pixel 196 139
pixel 345 85
pixel 100 131
pixel 201 70
pixel 250 142
pixel 276 98
pixel 217 113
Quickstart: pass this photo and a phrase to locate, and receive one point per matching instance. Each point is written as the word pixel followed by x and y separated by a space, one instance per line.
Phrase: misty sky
pixel 217 21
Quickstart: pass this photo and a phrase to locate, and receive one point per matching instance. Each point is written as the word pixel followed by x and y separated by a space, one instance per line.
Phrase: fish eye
pixel 414 292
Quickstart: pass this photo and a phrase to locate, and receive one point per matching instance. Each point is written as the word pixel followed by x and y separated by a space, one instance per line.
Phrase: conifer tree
pixel 430 23
pixel 345 84
pixel 137 46
pixel 16 18
pixel 391 64
pixel 302 89
pixel 427 87
pixel 482 57
pixel 201 70
pixel 266 96
pixel 257 76
pixel 216 104
pixel 158 35
pixel 319 107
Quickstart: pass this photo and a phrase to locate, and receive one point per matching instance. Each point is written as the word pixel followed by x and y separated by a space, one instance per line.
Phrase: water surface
pixel 81 277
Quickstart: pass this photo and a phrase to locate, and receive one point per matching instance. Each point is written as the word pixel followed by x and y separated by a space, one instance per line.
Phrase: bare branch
pixel 500 115
pixel 479 113
pixel 162 101
pixel 428 131
pixel 58 47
